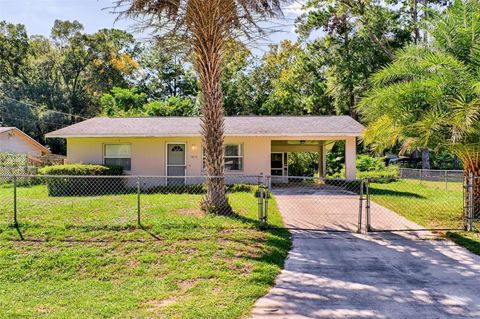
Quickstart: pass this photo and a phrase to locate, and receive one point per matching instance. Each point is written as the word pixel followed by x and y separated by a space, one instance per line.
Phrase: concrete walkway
pixel 388 275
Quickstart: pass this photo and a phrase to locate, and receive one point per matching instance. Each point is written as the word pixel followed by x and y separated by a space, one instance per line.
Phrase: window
pixel 233 157
pixel 118 155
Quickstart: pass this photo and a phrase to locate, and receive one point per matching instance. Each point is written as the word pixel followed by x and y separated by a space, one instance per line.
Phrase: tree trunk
pixel 425 158
pixel 456 162
pixel 474 168
pixel 416 30
pixel 208 51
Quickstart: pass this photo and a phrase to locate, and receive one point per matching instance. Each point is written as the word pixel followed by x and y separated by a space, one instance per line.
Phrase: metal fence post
pixel 15 222
pixel 446 180
pixel 138 201
pixel 266 186
pixel 360 208
pixel 470 209
pixel 260 199
pixel 369 221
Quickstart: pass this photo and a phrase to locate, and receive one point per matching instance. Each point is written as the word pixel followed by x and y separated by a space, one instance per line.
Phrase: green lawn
pixel 426 203
pixel 429 204
pixel 86 257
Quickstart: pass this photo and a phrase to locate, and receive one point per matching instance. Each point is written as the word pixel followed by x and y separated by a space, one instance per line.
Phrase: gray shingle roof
pixel 234 126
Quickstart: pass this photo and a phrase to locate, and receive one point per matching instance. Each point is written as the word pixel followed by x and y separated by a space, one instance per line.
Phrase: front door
pixel 279 166
pixel 176 164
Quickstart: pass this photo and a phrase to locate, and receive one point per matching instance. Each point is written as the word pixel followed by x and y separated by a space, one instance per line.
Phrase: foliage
pixel 172 106
pixel 386 174
pixel 303 164
pixel 427 97
pixel 16 164
pixel 81 170
pixel 335 159
pixel 83 186
pixel 357 39
pixel 129 102
pixel 368 167
pixel 368 163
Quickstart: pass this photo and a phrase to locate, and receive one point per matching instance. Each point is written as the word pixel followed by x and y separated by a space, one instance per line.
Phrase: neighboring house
pixel 172 146
pixel 13 140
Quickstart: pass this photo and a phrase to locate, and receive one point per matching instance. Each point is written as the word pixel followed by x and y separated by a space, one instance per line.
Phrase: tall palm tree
pixel 429 97
pixel 206 26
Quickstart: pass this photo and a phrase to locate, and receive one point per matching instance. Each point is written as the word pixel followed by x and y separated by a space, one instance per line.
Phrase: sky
pixel 38 17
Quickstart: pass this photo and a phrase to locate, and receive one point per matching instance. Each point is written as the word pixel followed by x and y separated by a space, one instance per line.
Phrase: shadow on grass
pixel 388 192
pixel 466 241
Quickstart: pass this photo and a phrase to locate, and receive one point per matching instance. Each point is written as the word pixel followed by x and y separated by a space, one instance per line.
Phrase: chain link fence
pixel 122 202
pixel 17 164
pixel 445 176
pixel 305 203
pixel 415 205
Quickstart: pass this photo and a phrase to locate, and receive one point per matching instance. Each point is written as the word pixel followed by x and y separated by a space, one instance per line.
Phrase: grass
pixel 426 203
pixel 430 204
pixel 86 257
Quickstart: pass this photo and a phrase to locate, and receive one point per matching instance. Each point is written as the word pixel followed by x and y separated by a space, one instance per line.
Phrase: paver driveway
pixel 389 275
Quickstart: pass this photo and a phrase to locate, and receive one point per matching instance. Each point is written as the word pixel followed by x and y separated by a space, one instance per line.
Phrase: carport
pixel 280 148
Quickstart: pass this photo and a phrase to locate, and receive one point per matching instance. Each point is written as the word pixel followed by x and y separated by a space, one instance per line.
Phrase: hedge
pixel 88 186
pixel 81 170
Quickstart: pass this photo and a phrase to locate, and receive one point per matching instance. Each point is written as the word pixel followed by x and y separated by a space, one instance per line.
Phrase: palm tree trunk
pixel 208 51
pixel 470 157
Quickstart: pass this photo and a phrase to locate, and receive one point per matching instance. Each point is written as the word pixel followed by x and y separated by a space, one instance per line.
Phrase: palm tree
pixel 429 97
pixel 206 27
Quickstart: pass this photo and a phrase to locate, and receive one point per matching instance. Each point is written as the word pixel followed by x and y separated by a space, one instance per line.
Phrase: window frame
pixel 242 157
pixel 117 143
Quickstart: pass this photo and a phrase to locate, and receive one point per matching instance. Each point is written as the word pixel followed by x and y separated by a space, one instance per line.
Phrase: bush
pixel 371 167
pixel 387 174
pixel 88 186
pixel 81 170
pixel 374 167
pixel 368 163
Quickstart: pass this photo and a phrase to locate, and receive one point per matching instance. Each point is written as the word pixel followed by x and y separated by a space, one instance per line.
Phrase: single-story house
pixel 172 146
pixel 13 140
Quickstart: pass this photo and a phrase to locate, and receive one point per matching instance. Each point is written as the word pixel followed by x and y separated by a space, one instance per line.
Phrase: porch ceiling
pixel 300 145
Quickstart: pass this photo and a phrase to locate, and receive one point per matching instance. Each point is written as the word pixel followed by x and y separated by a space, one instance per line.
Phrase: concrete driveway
pixel 388 275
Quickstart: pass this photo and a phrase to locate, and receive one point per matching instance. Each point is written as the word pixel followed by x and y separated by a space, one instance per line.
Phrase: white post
pixel 350 155
pixel 322 161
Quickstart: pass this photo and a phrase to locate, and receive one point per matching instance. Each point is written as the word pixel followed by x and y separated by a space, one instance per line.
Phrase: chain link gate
pixel 312 203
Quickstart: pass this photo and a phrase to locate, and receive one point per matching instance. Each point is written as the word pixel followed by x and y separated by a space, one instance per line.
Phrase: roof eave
pixel 349 134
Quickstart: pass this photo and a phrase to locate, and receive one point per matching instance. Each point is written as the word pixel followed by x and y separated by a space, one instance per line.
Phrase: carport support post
pixel 350 157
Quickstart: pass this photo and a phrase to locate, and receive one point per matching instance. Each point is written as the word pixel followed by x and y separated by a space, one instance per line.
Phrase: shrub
pixel 368 163
pixel 63 185
pixel 81 170
pixel 371 167
pixel 388 174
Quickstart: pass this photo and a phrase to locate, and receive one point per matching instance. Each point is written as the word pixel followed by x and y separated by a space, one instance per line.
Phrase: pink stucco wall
pixel 149 154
